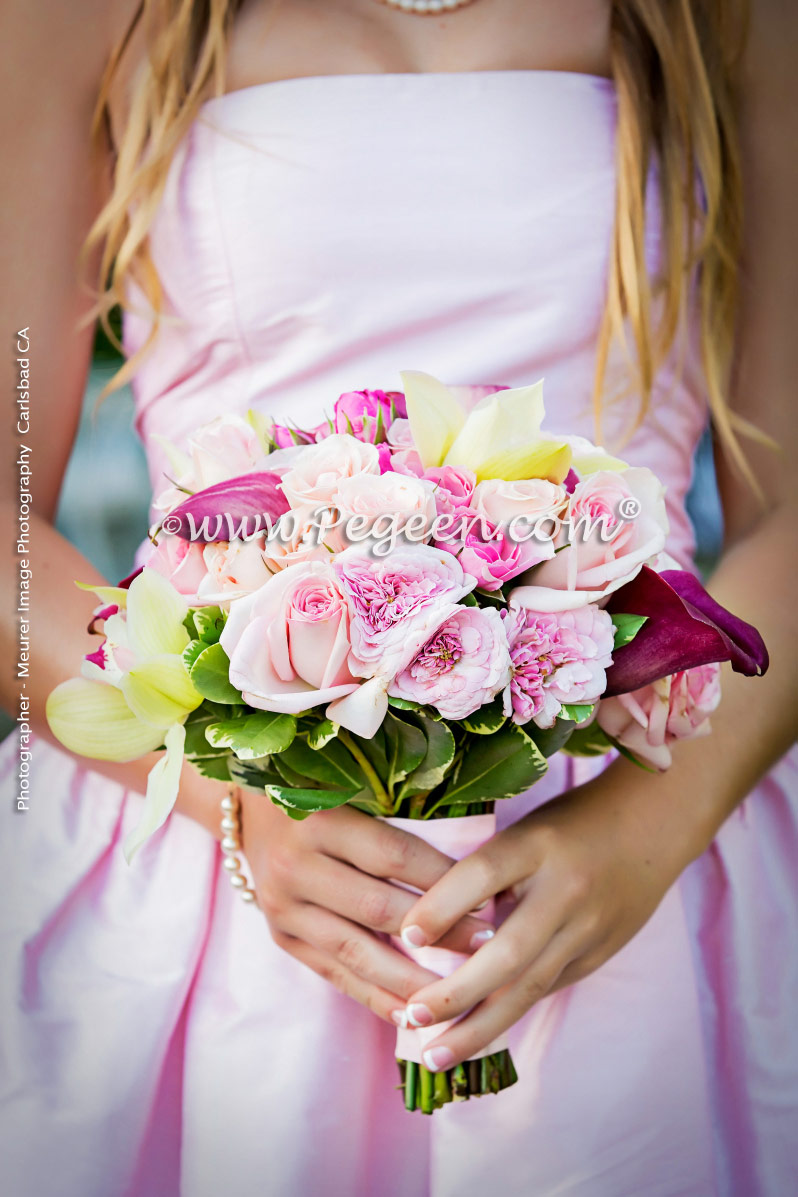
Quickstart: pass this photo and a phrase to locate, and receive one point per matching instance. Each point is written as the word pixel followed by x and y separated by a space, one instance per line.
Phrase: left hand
pixel 586 871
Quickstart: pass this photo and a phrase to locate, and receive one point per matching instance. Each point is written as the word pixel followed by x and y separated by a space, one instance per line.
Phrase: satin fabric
pixel 318 235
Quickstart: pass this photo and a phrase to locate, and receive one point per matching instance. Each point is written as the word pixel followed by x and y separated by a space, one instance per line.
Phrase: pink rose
pixel 557 658
pixel 533 505
pixel 367 415
pixel 615 523
pixel 288 643
pixel 182 563
pixel 317 470
pixel 463 665
pixel 234 569
pixel 225 448
pixel 453 488
pixel 484 550
pixel 399 435
pixel 649 720
pixel 379 508
pixel 407 461
pixel 303 534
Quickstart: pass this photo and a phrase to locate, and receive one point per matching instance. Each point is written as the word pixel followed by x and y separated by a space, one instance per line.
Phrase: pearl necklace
pixel 426 8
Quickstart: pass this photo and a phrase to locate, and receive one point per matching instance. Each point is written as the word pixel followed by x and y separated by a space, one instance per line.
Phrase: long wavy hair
pixel 675 66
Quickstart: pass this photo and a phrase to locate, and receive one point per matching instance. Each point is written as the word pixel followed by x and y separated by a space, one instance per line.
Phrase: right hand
pixel 323 884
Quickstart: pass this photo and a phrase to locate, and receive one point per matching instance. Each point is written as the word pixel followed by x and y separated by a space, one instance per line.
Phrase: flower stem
pixel 380 793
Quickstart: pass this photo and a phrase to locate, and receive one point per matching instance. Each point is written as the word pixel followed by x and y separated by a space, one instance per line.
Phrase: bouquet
pixel 408 608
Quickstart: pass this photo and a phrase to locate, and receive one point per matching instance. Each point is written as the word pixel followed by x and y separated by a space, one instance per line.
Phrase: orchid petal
pixel 159 691
pixel 155 614
pixel 108 595
pixel 435 416
pixel 94 720
pixel 163 784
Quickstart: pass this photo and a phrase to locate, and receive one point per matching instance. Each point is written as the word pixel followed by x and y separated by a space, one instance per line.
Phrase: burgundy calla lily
pixel 684 627
pixel 229 510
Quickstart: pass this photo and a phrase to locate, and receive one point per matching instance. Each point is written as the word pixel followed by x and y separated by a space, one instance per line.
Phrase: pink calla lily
pixel 229 510
pixel 685 627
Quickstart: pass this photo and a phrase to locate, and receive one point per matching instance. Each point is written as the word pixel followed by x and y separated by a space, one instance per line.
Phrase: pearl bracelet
pixel 231 843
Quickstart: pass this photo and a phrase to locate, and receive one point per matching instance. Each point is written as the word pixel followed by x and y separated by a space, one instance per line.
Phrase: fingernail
pixel 480 937
pixel 400 1018
pixel 437 1059
pixel 414 937
pixel 419 1015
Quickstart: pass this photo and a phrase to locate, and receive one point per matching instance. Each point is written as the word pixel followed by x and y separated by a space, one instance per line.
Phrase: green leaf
pixel 210 674
pixel 216 766
pixel 196 725
pixel 407 747
pixel 551 739
pixel 491 598
pixel 588 741
pixel 577 712
pixel 626 627
pixel 330 766
pixel 403 704
pixel 468 600
pixel 191 652
pixel 486 720
pixel 209 622
pixel 320 735
pixel 436 762
pixel 497 766
pixel 261 734
pixel 307 801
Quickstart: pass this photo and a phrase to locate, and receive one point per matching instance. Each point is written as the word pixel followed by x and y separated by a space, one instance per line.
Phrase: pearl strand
pixel 231 843
pixel 426 8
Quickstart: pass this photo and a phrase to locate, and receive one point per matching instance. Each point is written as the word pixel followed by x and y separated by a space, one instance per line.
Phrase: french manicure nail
pixel 399 1017
pixel 436 1059
pixel 418 1015
pixel 414 937
pixel 480 937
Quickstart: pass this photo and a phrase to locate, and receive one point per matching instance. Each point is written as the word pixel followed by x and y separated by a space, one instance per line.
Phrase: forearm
pixel 756 720
pixel 59 615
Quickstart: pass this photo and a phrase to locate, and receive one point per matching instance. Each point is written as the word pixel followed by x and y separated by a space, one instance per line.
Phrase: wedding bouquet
pixel 408 608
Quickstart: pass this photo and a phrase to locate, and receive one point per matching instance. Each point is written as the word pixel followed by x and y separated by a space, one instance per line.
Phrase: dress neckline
pixel 531 74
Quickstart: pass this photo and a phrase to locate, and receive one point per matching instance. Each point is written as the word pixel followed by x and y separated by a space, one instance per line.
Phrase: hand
pixel 586 871
pixel 322 884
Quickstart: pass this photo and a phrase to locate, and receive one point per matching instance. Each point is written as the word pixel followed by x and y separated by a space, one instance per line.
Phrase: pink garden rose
pixel 317 470
pixel 534 504
pixel 300 535
pixel 463 665
pixel 367 415
pixel 616 523
pixel 288 643
pixel 557 658
pixel 677 707
pixel 399 435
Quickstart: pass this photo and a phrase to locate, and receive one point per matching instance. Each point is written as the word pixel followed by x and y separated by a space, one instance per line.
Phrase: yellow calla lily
pixel 499 438
pixel 94 720
pixel 435 416
pixel 163 782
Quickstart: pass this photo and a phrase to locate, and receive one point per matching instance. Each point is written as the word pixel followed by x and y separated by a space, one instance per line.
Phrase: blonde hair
pixel 674 64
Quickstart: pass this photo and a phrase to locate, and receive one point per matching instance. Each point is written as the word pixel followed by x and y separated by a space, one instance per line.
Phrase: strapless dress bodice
pixel 318 235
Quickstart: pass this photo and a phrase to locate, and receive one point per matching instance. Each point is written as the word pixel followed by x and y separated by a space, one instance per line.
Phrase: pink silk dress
pixel 318 235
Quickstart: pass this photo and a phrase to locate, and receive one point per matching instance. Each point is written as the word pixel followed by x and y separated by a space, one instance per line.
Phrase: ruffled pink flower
pixel 316 470
pixel 557 658
pixel 463 665
pixel 649 720
pixel 181 562
pixel 396 602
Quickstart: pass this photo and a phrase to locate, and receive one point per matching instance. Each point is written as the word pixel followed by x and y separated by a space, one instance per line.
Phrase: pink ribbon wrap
pixel 457 838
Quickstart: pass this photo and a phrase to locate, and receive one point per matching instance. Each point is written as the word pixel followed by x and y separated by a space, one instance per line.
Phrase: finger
pixel 357 950
pixel 491 1018
pixel 379 849
pixel 495 866
pixel 372 996
pixel 373 903
pixel 523 937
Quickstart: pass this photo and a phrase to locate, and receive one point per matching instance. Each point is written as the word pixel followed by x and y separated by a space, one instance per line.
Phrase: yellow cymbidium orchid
pixel 499 438
pixel 135 692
